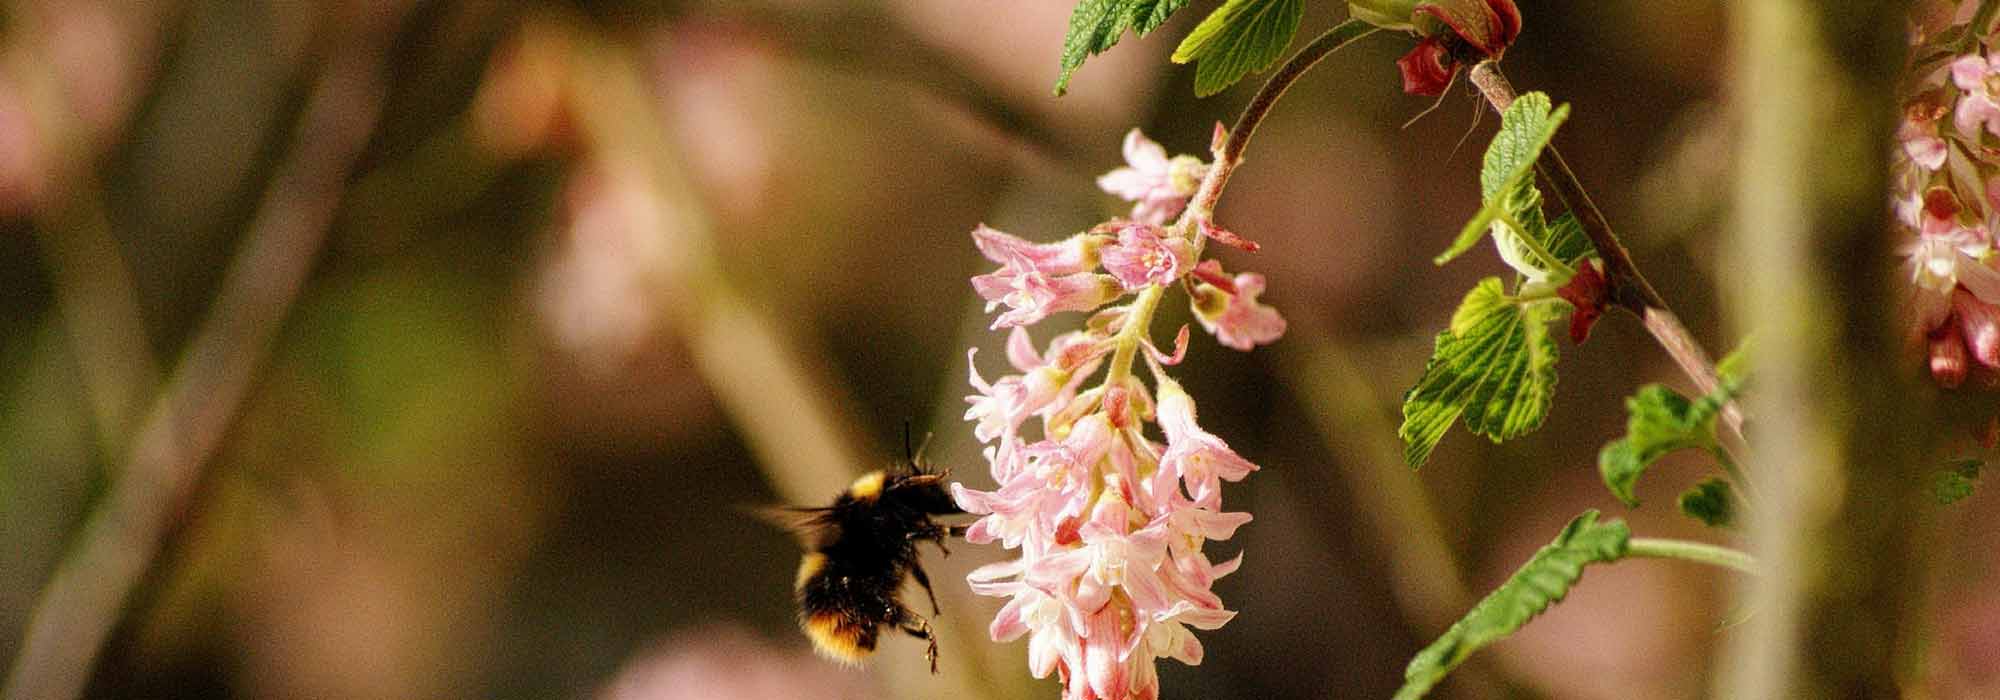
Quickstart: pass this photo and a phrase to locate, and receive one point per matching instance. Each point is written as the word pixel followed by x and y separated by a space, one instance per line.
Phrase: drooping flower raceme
pixel 1946 195
pixel 1109 517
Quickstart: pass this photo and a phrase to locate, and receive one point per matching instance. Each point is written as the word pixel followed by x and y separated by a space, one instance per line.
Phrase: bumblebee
pixel 860 549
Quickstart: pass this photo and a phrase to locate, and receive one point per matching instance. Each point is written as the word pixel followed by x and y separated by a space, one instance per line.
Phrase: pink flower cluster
pixel 1947 197
pixel 1109 521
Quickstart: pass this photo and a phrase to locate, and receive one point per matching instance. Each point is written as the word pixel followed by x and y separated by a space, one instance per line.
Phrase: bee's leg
pixel 923 579
pixel 937 535
pixel 920 628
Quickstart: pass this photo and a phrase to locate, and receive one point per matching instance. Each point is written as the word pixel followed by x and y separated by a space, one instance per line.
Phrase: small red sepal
pixel 1590 292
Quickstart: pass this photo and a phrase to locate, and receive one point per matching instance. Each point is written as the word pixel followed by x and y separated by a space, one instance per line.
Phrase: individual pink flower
pixel 1074 254
pixel 1052 639
pixel 1228 308
pixel 1201 460
pixel 1146 255
pixel 1157 186
pixel 1001 406
pixel 1032 294
pixel 1112 555
pixel 1047 483
pixel 1921 144
pixel 1979 106
pixel 1168 634
pixel 1948 253
pixel 1969 332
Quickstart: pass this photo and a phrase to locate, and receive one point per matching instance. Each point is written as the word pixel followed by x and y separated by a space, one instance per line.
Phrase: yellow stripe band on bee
pixel 868 487
pixel 808 566
pixel 835 639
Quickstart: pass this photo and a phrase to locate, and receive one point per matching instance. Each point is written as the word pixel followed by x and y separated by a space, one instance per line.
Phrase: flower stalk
pixel 1697 552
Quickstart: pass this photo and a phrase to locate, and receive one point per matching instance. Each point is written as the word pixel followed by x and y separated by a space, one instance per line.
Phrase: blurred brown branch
pixel 890 52
pixel 94 289
pixel 124 532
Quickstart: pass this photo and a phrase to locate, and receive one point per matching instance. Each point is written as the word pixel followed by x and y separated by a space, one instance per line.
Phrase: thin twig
pixel 1203 204
pixel 81 604
pixel 1629 288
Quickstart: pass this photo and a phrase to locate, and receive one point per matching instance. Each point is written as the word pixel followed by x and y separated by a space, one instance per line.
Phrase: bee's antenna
pixel 908 453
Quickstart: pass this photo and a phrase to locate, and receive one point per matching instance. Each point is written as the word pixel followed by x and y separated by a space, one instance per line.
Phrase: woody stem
pixel 1629 288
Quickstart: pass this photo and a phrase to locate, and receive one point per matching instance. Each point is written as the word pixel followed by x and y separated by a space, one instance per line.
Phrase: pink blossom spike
pixel 1110 574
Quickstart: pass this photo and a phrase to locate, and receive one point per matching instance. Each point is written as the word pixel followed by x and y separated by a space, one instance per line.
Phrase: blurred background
pixel 414 348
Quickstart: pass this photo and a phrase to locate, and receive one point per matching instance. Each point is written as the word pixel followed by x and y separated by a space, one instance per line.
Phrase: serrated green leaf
pixel 1097 25
pixel 1542 582
pixel 1661 421
pixel 1525 129
pixel 1495 366
pixel 1955 482
pixel 1239 38
pixel 1711 502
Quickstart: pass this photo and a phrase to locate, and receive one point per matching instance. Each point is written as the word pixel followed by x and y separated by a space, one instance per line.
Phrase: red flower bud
pixel 1590 292
pixel 1427 69
pixel 1455 32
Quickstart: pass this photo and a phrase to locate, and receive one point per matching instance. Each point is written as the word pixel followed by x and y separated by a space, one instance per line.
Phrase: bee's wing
pixel 803 522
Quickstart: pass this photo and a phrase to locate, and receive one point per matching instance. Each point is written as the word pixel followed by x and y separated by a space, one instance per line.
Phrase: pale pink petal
pixel 1127 183
pixel 1969 73
pixel 1144 153
pixel 1982 281
pixel 1021 350
pixel 1108 677
pixel 1007 624
pixel 1981 324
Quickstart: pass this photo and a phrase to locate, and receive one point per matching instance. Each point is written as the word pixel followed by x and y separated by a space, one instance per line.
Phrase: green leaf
pixel 1955 483
pixel 1661 421
pixel 1566 239
pixel 1239 38
pixel 1542 582
pixel 1495 365
pixel 1097 25
pixel 1711 502
pixel 1525 129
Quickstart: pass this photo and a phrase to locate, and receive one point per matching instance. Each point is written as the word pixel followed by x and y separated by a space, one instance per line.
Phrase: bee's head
pixel 923 491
